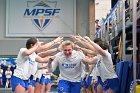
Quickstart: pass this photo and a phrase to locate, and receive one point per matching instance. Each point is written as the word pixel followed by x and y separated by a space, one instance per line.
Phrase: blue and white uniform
pixel 107 72
pixel 23 70
pixel 92 75
pixel 32 79
pixel 8 74
pixel 97 74
pixel 46 76
pixel 38 74
pixel 1 72
pixel 88 77
pixel 70 71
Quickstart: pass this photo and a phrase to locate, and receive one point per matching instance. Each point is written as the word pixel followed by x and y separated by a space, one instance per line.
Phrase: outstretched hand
pixel 87 38
pixel 76 38
pixel 51 58
pixel 77 46
pixel 58 40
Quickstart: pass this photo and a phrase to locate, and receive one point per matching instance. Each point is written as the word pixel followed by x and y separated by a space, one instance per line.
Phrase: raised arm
pixel 52 64
pixel 48 52
pixel 84 42
pixel 92 60
pixel 43 67
pixel 46 46
pixel 87 51
pixel 43 60
pixel 98 48
pixel 31 50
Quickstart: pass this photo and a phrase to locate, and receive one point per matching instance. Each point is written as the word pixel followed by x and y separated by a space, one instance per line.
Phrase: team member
pixel 1 72
pixel 46 80
pixel 89 79
pixel 8 74
pixel 38 76
pixel 105 66
pixel 70 66
pixel 35 87
pixel 27 57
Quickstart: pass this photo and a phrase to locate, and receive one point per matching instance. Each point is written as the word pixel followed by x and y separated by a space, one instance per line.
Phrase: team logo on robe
pixel 41 12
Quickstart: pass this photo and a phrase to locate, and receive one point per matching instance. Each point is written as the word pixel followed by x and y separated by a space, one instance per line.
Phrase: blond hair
pixel 67 42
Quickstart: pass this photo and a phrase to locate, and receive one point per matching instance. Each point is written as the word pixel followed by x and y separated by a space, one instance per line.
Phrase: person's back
pixel 106 69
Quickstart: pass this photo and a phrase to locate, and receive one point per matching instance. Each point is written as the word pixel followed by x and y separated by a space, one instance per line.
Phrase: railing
pixel 116 22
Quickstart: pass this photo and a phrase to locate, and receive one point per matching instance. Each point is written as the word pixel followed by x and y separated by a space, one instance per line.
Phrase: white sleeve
pixel 84 67
pixel 6 72
pixel 1 70
pixel 94 76
pixel 10 72
pixel 84 73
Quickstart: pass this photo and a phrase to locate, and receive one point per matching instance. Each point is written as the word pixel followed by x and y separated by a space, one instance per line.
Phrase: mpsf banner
pixel 40 18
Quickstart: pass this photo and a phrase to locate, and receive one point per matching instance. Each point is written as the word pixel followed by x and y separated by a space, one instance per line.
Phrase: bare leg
pixel 99 89
pixel 83 90
pixel 37 88
pixel 26 91
pixel 89 89
pixel 19 89
pixel 31 89
pixel 48 88
pixel 42 88
pixel 1 83
pixel 92 86
pixel 109 91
